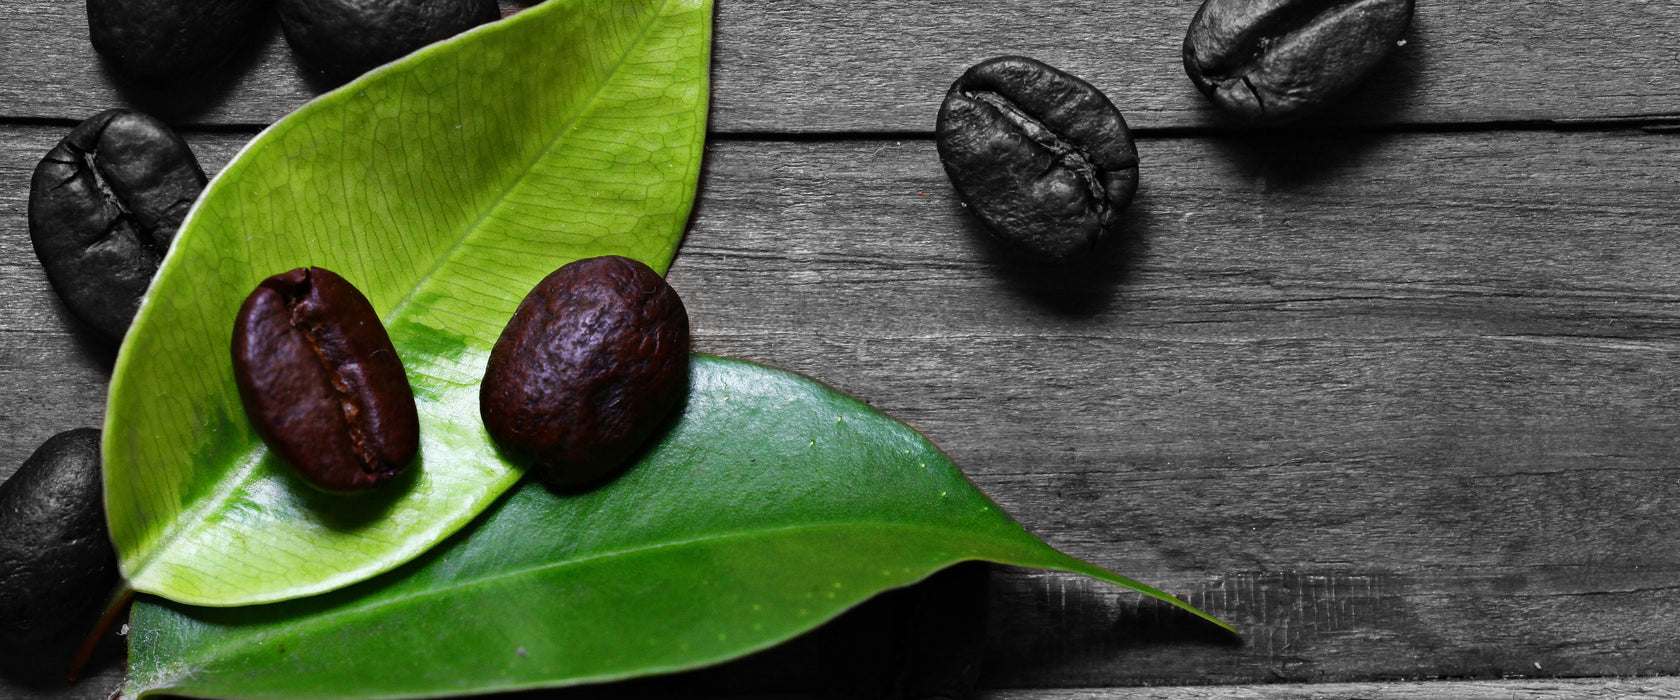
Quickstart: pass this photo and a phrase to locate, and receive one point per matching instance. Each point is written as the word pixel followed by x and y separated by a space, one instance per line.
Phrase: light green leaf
pixel 444 186
pixel 771 506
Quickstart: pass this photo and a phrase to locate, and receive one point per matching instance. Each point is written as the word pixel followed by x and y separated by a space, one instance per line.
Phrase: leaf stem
pixel 118 604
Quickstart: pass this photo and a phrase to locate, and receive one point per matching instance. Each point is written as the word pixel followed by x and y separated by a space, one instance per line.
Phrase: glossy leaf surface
pixel 444 186
pixel 771 506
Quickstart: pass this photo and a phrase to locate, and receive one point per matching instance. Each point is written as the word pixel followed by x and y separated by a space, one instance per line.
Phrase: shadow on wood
pixel 41 670
pixel 192 97
pixel 1084 286
pixel 1053 625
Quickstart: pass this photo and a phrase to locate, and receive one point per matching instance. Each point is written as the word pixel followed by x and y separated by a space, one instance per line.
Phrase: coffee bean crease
pixel 104 205
pixel 1067 154
pixel 1040 156
pixel 1274 60
pixel 321 381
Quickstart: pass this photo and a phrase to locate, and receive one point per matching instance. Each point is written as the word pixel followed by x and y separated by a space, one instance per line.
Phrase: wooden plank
pixel 1577 689
pixel 1397 406
pixel 52 370
pixel 877 65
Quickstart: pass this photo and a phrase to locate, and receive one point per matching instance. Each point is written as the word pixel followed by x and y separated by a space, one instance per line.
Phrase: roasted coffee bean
pixel 1277 60
pixel 104 205
pixel 57 565
pixel 321 382
pixel 1042 157
pixel 168 41
pixel 344 38
pixel 593 362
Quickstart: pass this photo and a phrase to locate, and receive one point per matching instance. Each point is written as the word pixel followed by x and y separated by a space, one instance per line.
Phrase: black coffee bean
pixel 344 38
pixel 168 41
pixel 321 382
pixel 104 205
pixel 1042 157
pixel 1277 60
pixel 591 365
pixel 57 565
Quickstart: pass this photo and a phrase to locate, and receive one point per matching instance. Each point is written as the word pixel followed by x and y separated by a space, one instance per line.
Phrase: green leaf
pixel 771 506
pixel 444 186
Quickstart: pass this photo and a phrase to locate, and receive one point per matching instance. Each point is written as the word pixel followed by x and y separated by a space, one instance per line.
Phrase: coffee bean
pixel 344 38
pixel 1277 60
pixel 592 363
pixel 321 382
pixel 169 41
pixel 104 205
pixel 1042 157
pixel 57 565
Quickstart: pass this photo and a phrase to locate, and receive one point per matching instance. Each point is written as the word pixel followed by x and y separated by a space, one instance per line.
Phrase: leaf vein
pixel 654 18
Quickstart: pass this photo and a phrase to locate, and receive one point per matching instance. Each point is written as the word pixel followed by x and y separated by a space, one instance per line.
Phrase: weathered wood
pixel 1581 689
pixel 53 372
pixel 876 65
pixel 1397 406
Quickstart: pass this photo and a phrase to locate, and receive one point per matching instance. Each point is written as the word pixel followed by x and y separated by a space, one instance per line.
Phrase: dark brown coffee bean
pixel 104 205
pixel 344 38
pixel 593 362
pixel 321 382
pixel 1042 157
pixel 170 41
pixel 57 565
pixel 1277 60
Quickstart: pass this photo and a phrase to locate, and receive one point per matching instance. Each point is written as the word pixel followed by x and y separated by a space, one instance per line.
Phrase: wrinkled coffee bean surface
pixel 104 205
pixel 345 38
pixel 321 382
pixel 593 362
pixel 168 41
pixel 57 565
pixel 1277 60
pixel 1042 157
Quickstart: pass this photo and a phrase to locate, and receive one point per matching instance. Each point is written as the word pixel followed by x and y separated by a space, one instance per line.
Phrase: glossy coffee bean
pixel 321 382
pixel 592 364
pixel 1040 156
pixel 169 41
pixel 344 38
pixel 1277 60
pixel 104 205
pixel 57 565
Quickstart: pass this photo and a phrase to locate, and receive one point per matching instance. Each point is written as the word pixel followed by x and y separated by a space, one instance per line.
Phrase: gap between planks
pixel 1651 123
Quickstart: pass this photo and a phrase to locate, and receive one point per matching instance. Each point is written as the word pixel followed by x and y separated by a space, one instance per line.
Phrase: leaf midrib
pixel 318 619
pixel 654 18
pixel 245 474
pixel 184 525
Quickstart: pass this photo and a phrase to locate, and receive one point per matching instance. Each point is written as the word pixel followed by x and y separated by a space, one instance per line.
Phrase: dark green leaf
pixel 771 506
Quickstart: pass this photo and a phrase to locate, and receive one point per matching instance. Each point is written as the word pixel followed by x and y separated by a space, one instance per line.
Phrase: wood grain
pixel 1392 392
pixel 1397 406
pixel 882 66
pixel 1580 689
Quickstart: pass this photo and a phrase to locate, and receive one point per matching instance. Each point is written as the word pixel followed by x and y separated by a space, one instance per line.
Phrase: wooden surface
pixel 1393 392
pixel 1575 689
pixel 884 65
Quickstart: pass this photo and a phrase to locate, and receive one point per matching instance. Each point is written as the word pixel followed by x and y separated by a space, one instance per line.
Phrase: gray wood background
pixel 1392 391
